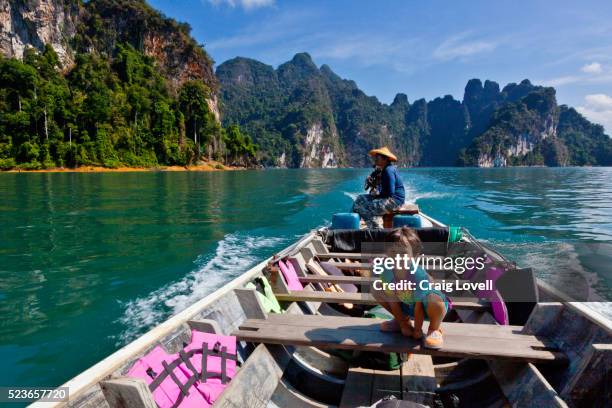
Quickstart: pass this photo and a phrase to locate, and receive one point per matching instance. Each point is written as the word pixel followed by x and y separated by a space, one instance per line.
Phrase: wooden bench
pixel 406 209
pixel 363 299
pixel 351 266
pixel 355 280
pixel 350 333
pixel 362 256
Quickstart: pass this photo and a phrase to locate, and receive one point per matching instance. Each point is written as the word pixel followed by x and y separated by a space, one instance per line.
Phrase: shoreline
pixel 204 167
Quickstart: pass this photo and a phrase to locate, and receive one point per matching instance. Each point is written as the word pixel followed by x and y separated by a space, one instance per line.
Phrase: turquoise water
pixel 90 261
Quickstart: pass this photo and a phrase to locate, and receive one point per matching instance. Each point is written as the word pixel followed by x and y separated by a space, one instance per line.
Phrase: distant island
pixel 115 83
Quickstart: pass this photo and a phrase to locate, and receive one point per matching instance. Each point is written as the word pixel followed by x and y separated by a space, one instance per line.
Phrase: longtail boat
pixel 318 349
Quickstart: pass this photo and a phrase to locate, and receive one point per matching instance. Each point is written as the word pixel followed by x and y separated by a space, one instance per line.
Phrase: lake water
pixel 90 261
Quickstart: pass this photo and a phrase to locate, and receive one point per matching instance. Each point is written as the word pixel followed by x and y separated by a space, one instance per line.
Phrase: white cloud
pixel 592 68
pixel 593 73
pixel 598 108
pixel 277 31
pixel 247 4
pixel 559 81
pixel 460 46
pixel 599 101
pixel 287 34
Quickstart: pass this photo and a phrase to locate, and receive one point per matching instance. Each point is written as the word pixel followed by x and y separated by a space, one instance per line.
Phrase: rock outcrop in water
pixel 303 115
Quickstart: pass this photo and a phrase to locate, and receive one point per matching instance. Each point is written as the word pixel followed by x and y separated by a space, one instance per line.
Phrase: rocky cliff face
pixel 518 131
pixel 72 26
pixel 35 23
pixel 288 111
pixel 105 23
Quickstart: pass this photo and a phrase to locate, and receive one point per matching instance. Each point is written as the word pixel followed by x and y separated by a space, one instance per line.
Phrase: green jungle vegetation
pixel 108 112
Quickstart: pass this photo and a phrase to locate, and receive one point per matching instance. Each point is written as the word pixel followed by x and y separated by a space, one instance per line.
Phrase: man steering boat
pixel 386 189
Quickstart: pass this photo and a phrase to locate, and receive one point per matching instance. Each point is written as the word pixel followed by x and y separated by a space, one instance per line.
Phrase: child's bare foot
pixel 390 326
pixel 417 334
pixel 406 328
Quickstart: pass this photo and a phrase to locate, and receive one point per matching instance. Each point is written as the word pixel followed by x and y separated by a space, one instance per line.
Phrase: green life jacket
pixel 265 294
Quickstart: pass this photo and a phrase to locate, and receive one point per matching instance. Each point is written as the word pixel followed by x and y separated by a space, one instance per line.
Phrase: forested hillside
pixel 108 83
pixel 304 116
pixel 116 83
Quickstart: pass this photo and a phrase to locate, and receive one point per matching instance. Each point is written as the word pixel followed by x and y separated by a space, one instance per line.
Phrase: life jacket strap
pixel 183 387
pixel 223 365
pixel 204 374
pixel 185 359
pixel 162 376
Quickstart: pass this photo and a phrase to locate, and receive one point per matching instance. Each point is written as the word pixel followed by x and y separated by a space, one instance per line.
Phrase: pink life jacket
pixel 178 380
pixel 293 282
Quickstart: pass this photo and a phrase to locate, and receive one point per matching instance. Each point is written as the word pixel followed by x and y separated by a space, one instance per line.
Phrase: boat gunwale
pixel 83 381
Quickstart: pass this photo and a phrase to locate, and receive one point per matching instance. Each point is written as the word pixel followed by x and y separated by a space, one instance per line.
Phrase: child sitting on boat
pixel 418 303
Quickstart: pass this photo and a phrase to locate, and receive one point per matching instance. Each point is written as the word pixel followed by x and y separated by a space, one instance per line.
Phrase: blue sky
pixel 422 48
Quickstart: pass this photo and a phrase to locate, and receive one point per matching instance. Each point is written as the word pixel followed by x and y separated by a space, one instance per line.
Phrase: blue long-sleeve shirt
pixel 391 185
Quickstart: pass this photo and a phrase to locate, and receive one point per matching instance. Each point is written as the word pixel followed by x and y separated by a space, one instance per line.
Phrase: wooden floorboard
pixel 357 388
pixel 460 340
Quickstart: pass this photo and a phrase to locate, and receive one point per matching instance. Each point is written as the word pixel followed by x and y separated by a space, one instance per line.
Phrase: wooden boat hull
pixel 310 377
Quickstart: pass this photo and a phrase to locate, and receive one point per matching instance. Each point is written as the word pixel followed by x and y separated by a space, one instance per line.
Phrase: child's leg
pixel 436 309
pixel 419 316
pixel 402 318
pixel 391 325
pixel 400 321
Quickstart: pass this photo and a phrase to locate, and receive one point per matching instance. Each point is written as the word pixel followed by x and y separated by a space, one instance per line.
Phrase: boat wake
pixel 234 255
pixel 412 196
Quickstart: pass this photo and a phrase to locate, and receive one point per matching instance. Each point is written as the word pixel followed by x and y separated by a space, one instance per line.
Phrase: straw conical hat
pixel 385 152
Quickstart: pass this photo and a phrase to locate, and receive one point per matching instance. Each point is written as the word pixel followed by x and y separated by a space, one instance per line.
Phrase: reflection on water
pixel 89 261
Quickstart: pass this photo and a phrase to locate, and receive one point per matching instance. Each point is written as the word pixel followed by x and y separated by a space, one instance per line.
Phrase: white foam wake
pixel 351 195
pixel 412 195
pixel 233 256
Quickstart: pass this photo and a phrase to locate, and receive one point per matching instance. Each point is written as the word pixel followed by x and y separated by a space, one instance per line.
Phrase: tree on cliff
pixel 109 112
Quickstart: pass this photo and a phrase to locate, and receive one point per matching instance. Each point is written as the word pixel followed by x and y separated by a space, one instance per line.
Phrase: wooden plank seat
pixel 366 266
pixel 350 333
pixel 351 266
pixel 357 256
pixel 355 280
pixel 363 299
pixel 362 256
pixel 406 209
